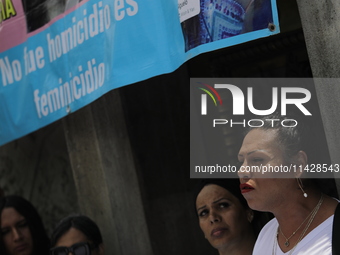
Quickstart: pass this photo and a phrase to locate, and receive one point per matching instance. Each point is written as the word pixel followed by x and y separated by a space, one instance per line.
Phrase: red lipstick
pixel 246 188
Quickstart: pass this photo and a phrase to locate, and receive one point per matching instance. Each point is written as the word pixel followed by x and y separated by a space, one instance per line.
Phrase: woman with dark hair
pixel 77 234
pixel 224 217
pixel 22 230
pixel 303 209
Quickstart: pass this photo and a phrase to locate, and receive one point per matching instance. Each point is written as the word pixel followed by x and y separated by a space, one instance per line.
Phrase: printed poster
pixel 58 56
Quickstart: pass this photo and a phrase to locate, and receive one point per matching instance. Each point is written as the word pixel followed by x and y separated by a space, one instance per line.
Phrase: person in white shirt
pixel 303 213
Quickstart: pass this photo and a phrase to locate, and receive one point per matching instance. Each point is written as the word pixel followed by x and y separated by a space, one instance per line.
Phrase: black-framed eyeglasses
pixel 83 248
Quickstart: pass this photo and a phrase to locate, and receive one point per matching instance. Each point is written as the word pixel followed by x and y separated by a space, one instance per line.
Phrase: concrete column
pixel 321 27
pixel 105 175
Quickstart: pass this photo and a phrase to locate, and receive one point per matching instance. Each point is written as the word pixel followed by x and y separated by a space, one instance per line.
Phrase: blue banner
pixel 56 58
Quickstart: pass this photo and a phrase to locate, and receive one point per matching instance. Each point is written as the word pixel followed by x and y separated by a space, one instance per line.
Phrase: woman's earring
pixel 251 216
pixel 300 186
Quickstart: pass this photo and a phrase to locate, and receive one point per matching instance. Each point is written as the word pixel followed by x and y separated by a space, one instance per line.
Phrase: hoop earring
pixel 300 186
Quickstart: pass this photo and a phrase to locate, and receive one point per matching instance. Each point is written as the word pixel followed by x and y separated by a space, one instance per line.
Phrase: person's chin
pixel 220 243
pixel 23 250
pixel 255 205
pixel 251 201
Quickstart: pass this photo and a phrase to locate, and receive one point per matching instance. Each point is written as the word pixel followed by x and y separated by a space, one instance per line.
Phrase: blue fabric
pixel 78 57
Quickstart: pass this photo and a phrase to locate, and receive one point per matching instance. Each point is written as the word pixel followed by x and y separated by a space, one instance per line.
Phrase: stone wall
pixel 37 167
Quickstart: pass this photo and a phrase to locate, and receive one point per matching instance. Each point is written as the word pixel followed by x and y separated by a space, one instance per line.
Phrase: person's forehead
pixel 260 139
pixel 72 236
pixel 10 216
pixel 211 193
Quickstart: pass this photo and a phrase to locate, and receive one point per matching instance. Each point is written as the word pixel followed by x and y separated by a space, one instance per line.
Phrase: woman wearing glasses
pixel 77 234
pixel 22 231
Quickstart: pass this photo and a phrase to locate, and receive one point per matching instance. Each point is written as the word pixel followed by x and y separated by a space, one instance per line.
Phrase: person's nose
pixel 214 217
pixel 17 236
pixel 244 173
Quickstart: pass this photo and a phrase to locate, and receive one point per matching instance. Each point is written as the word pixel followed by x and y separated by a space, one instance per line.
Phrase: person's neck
pixel 299 217
pixel 244 247
pixel 296 210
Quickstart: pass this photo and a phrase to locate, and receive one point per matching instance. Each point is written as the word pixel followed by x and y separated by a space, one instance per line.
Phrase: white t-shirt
pixel 317 242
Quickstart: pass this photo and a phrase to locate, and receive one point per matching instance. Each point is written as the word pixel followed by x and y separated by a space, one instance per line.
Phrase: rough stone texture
pixel 321 26
pixel 105 175
pixel 157 113
pixel 328 91
pixel 37 167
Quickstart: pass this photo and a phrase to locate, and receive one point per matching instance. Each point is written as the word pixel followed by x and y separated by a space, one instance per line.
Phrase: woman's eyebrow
pixel 252 152
pixel 241 155
pixel 201 208
pixel 218 200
